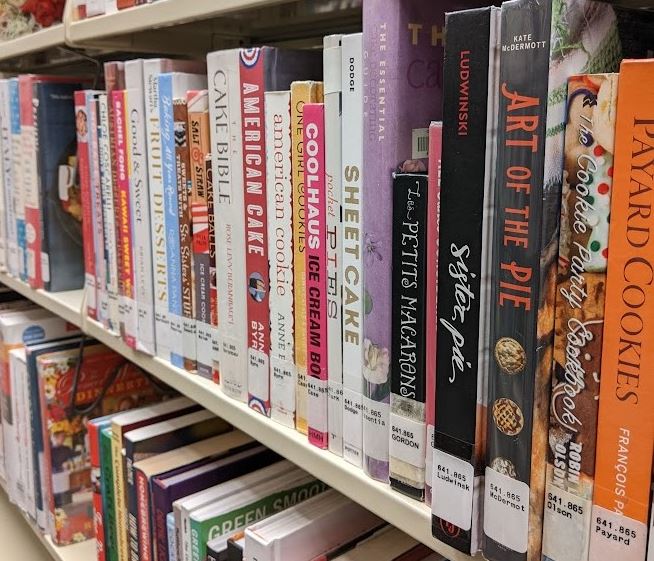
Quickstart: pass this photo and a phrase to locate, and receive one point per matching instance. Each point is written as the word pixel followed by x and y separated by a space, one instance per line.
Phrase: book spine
pixel 108 502
pixel 433 231
pixel 579 323
pixel 32 210
pixel 182 165
pixel 463 274
pixel 97 212
pixel 283 377
pixel 213 271
pixel 29 445
pixel 332 85
pixel 301 93
pixel 172 541
pixel 513 530
pixel 352 270
pixel 151 71
pixel 198 125
pixel 8 177
pixel 143 536
pixel 83 163
pixel 128 313
pixel 17 168
pixel 37 442
pixel 224 95
pixel 108 214
pixel 315 201
pixel 224 113
pixel 120 508
pixel 173 255
pixel 161 502
pixel 133 498
pixel 96 482
pixel 252 71
pixel 625 433
pixel 140 207
pixel 407 416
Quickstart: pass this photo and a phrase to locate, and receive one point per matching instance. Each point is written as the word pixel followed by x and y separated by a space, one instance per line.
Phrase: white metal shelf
pixel 38 41
pixel 408 515
pixel 84 551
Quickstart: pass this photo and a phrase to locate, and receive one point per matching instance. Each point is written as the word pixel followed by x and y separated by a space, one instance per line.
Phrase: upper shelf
pixel 408 515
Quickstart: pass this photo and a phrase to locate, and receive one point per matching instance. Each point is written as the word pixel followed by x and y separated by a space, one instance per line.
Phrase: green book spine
pixel 108 503
pixel 246 515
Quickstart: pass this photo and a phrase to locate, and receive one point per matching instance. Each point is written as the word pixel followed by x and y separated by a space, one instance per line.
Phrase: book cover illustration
pixel 465 255
pixel 579 320
pixel 407 447
pixel 283 376
pixel 315 204
pixel 64 425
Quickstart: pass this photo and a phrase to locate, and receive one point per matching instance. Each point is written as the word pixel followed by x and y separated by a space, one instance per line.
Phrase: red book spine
pixel 83 162
pixel 123 226
pixel 256 227
pixel 315 198
pixel 143 516
pixel 98 516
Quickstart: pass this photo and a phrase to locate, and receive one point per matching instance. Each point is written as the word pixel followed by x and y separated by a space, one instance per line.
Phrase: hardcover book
pixel 67 462
pixel 198 132
pixel 283 375
pixel 61 245
pixel 9 179
pixel 395 36
pixel 315 204
pixel 433 218
pixel 465 257
pixel 108 500
pixel 352 246
pixel 333 177
pixel 301 93
pixel 140 207
pixel 625 431
pixel 579 318
pixel 18 172
pixel 408 431
pixel 173 86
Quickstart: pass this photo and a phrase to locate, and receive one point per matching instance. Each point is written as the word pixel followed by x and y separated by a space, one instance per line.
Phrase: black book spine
pixel 512 530
pixel 466 211
pixel 408 369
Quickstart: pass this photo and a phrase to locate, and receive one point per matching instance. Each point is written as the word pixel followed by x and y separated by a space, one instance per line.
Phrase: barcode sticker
pixel 420 144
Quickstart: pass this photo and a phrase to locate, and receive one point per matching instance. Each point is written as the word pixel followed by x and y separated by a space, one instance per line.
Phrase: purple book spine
pixel 403 60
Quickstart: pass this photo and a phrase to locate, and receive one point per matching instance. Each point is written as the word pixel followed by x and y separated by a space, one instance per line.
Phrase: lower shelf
pixel 84 551
pixel 410 516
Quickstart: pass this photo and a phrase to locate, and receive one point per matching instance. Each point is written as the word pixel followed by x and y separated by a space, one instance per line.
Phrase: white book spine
pixel 140 206
pixel 28 447
pixel 283 375
pixel 97 213
pixel 29 194
pixel 3 211
pixel 8 178
pixel 172 541
pixel 151 70
pixel 10 436
pixel 17 171
pixel 352 269
pixel 332 86
pixel 226 152
pixel 110 6
pixel 108 216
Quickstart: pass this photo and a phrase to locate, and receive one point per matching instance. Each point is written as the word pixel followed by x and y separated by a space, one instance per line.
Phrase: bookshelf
pixel 410 516
pixel 11 517
pixel 32 44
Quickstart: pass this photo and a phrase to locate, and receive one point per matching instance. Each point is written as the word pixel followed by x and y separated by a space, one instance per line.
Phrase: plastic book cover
pixel 625 429
pixel 352 246
pixel 198 131
pixel 433 227
pixel 283 376
pixel 301 93
pixel 9 178
pixel 465 255
pixel 17 171
pixel 315 204
pixel 395 36
pixel 67 461
pixel 408 430
pixel 140 206
pixel 579 319
pixel 334 178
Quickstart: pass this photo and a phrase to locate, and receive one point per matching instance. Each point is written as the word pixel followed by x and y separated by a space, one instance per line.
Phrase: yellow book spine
pixel 119 492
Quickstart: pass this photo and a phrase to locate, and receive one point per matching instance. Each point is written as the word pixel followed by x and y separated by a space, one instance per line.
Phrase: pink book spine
pixel 124 227
pixel 316 270
pixel 434 202
pixel 83 164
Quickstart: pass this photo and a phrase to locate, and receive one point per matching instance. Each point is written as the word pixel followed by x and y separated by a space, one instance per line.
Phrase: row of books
pixel 92 448
pixel 83 9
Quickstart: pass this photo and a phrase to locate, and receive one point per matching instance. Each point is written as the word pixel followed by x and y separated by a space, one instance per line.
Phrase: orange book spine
pixel 626 417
